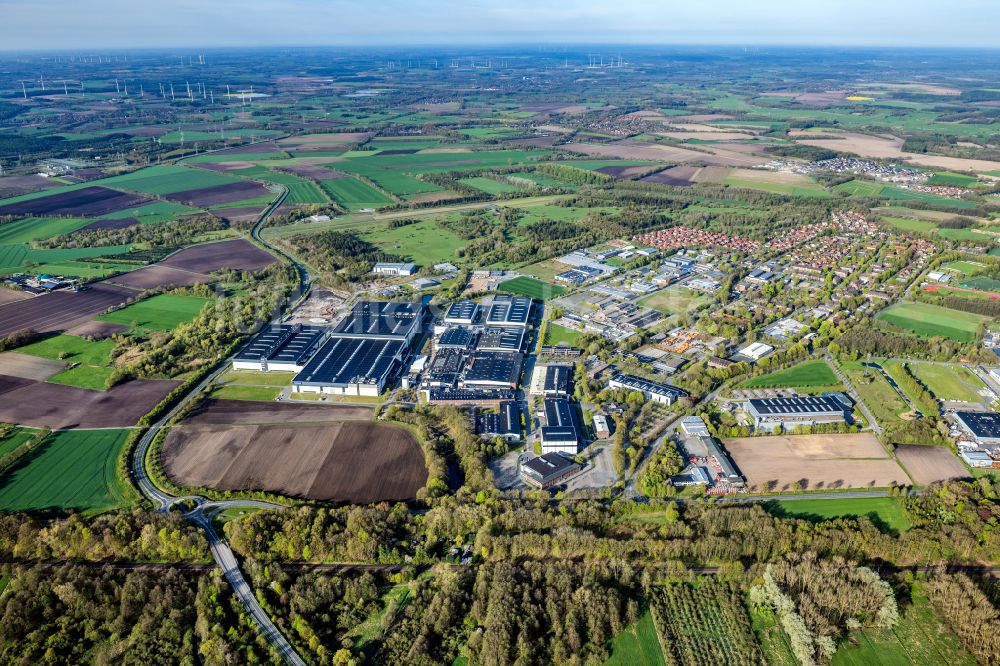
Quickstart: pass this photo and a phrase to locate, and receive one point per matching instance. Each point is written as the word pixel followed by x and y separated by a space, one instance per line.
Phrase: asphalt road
pixel 201 515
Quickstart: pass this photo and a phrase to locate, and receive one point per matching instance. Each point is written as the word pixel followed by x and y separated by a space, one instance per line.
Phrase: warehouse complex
pixel 561 432
pixel 280 348
pixel 983 426
pixel 800 410
pixel 664 393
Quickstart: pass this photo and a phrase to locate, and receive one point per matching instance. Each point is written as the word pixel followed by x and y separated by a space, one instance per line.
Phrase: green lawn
pixel 75 470
pixel 254 378
pixel 162 312
pixel 967 268
pixel 674 299
pixel 237 392
pixel 84 376
pixel 637 645
pixel 933 321
pixel 886 511
pixel 805 374
pixel 76 350
pixel 424 243
pixel 982 284
pixel 949 382
pixel 532 288
pixel 39 228
pixel 919 638
pixel 354 194
pixel 860 188
pixel 555 334
pixel 947 179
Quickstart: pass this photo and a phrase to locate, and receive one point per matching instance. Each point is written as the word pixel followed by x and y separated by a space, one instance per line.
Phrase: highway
pixel 204 510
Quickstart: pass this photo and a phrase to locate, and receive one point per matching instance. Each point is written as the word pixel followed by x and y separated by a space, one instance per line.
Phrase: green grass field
pixel 886 511
pixel 14 439
pixel 300 190
pixel 425 242
pixel 555 334
pixel 489 186
pixel 967 268
pixel 74 349
pixel 949 382
pixel 354 194
pixel 637 645
pixel 238 392
pixel 75 470
pixel 806 374
pixel 675 299
pixel 151 213
pixel 166 179
pixel 860 188
pixel 38 228
pixel 162 312
pixel 982 284
pixel 875 392
pixel 906 224
pixel 920 637
pixel 532 288
pixel 933 321
pixel 947 179
pixel 254 378
pixel 898 194
pixel 772 639
pixel 812 189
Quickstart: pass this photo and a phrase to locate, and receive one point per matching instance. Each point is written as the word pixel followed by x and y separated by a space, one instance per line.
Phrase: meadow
pixel 638 644
pixel 808 374
pixel 532 288
pixel 886 511
pixel 162 312
pixel 556 334
pixel 424 242
pixel 91 359
pixel 74 470
pixel 949 382
pixel 354 194
pixel 933 321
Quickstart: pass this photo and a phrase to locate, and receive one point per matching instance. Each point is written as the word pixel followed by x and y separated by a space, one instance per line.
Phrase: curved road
pixel 204 510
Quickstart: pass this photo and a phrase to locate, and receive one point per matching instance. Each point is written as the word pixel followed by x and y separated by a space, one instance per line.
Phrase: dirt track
pixel 353 461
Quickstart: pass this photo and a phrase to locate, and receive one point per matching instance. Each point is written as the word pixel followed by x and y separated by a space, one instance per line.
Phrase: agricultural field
pixel 928 464
pixel 34 228
pixel 168 179
pixel 532 288
pixel 815 462
pixel 151 213
pixel 354 194
pixel 885 511
pixel 324 462
pixel 949 382
pixel 425 242
pixel 808 374
pixel 946 179
pixel 162 312
pixel 860 188
pixel 934 321
pixel 703 623
pixel 300 190
pixel 792 184
pixel 74 470
pixel 638 644
pixel 489 185
pixel 239 392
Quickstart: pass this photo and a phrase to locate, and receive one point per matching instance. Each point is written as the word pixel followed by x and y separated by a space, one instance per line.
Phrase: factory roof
pixel 343 361
pixel 287 343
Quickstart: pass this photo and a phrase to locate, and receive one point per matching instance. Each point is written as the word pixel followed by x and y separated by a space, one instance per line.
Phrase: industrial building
pixel 801 410
pixel 694 426
pixel 551 380
pixel 352 366
pixel 663 393
pixel 983 426
pixel 979 459
pixel 549 470
pixel 507 310
pixel 456 337
pixel 376 320
pixel 491 370
pixel 463 313
pixel 394 270
pixel 280 348
pixel 755 351
pixel 561 432
pixel 601 428
pixel 501 339
pixel 505 423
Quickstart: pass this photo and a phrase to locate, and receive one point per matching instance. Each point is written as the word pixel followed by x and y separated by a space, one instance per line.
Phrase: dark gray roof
pixel 286 343
pixel 985 425
pixel 494 367
pixel 379 319
pixel 557 378
pixel 456 337
pixel 640 384
pixel 352 361
pixel 501 338
pixel 471 395
pixel 509 310
pixel 804 405
pixel 506 422
pixel 548 466
pixel 463 311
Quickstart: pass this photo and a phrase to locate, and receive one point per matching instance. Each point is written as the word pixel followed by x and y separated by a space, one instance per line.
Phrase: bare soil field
pixel 120 223
pixel 245 412
pixel 703 118
pixel 239 254
pixel 43 405
pixel 13 186
pixel 59 310
pixel 323 142
pixel 252 148
pixel 86 202
pixel 225 166
pixel 11 296
pixel 927 464
pixel 219 194
pixel 679 176
pixel 97 330
pixel 357 462
pixel 866 145
pixel 929 88
pixel 238 214
pixel 13 364
pixel 707 135
pixel 10 383
pixel 774 463
pixel 637 150
pixel 155 276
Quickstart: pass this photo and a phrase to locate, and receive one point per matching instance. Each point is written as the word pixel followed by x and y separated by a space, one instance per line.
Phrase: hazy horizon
pixel 117 24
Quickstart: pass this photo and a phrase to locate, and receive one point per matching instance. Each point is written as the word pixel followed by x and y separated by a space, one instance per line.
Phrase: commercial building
pixel 694 426
pixel 549 470
pixel 505 423
pixel 561 432
pixel 663 393
pixel 802 410
pixel 551 380
pixel 377 320
pixel 489 370
pixel 507 310
pixel 280 348
pixel 983 426
pixel 352 366
pixel 601 428
pixel 463 313
pixel 394 270
pixel 501 339
pixel 456 337
pixel 977 459
pixel 755 351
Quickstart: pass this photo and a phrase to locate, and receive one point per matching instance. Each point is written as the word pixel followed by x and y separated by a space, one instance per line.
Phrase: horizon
pixel 62 25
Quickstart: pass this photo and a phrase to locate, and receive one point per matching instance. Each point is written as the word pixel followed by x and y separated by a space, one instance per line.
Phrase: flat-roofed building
pixel 800 410
pixel 983 426
pixel 464 313
pixel 280 348
pixel 352 366
pixel 549 469
pixel 694 426
pixel 456 337
pixel 655 391
pixel 501 339
pixel 507 310
pixel 395 270
pixel 551 380
pixel 492 370
pixel 755 351
pixel 561 432
pixel 504 423
pixel 601 428
pixel 382 321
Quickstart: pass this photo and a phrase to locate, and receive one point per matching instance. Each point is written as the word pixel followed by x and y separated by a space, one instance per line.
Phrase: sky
pixel 112 24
